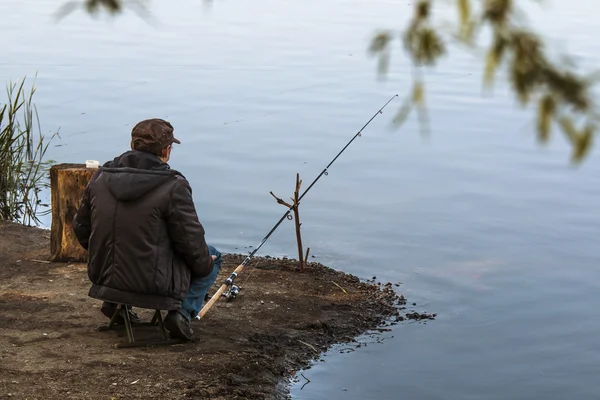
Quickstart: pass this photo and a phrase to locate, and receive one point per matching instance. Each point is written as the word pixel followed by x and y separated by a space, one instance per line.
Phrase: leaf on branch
pixel 582 145
pixel 422 10
pixel 112 6
pixel 383 63
pixel 546 110
pixel 418 98
pixel 497 11
pixel 529 67
pixel 418 95
pixel 493 59
pixel 380 47
pixel 424 45
pixel 568 129
pixel 403 112
pixel 380 42
pixel 464 11
pixel 467 31
pixel 490 67
pixel 570 87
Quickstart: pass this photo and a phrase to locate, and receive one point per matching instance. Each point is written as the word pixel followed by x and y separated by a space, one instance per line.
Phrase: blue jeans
pixel 194 299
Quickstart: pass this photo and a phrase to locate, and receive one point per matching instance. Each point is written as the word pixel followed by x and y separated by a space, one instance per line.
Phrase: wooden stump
pixel 67 184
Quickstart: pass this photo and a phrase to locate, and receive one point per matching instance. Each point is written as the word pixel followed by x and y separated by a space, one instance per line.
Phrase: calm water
pixel 482 226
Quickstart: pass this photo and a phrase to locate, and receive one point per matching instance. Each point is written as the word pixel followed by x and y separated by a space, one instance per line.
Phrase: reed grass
pixel 23 170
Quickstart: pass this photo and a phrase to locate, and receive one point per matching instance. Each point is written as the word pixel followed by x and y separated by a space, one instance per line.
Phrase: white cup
pixel 92 164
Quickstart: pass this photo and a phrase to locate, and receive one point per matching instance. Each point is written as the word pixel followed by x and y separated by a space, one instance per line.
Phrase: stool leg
pixel 155 317
pixel 127 324
pixel 114 317
pixel 161 325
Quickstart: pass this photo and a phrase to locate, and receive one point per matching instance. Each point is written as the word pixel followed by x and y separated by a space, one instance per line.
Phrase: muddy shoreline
pixel 250 348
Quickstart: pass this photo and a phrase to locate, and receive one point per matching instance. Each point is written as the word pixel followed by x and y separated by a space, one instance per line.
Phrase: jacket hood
pixel 133 174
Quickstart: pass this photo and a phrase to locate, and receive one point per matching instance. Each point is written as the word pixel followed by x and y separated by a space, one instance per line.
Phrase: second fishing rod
pixel 228 289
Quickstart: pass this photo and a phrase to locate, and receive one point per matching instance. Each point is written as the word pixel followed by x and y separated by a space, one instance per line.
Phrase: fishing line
pixel 249 275
pixel 228 289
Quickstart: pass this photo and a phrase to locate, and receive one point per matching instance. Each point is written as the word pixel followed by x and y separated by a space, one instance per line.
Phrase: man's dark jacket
pixel 139 224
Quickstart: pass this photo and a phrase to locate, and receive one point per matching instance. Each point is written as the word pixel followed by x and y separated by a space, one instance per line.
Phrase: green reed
pixel 23 171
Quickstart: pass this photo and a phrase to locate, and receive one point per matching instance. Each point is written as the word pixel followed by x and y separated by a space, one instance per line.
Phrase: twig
pixel 280 201
pixel 310 345
pixel 307 381
pixel 298 183
pixel 41 261
pixel 382 330
pixel 294 207
pixel 306 257
pixel 347 349
pixel 296 201
pixel 343 290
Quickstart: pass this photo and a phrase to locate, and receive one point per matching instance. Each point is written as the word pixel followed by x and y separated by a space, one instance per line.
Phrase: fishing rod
pixel 228 289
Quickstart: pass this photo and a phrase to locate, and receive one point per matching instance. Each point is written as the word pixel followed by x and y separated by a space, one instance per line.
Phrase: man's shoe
pixel 108 309
pixel 178 325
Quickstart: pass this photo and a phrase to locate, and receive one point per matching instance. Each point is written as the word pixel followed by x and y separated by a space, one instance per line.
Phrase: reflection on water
pixel 496 235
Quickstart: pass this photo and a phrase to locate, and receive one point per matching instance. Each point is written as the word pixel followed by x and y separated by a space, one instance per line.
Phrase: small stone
pixel 262 302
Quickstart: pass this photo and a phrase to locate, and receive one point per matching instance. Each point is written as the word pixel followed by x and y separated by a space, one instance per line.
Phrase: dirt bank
pixel 50 347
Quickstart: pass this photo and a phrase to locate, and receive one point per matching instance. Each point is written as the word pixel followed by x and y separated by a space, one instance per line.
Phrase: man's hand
pixel 214 258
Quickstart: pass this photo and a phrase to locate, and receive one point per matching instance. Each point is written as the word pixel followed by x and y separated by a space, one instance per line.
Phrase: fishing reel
pixel 231 292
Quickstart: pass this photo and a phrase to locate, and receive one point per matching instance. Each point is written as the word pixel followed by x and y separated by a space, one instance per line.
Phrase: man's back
pixel 142 233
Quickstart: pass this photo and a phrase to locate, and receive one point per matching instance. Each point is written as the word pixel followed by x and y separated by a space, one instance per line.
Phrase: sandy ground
pixel 249 348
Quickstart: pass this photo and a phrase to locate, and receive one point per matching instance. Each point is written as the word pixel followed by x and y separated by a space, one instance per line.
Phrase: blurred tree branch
pixel 559 93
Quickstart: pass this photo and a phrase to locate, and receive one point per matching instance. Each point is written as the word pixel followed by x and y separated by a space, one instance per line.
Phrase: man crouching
pixel 145 244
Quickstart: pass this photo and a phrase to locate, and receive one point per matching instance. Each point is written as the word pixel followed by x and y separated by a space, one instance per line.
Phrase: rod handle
pixel 217 295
